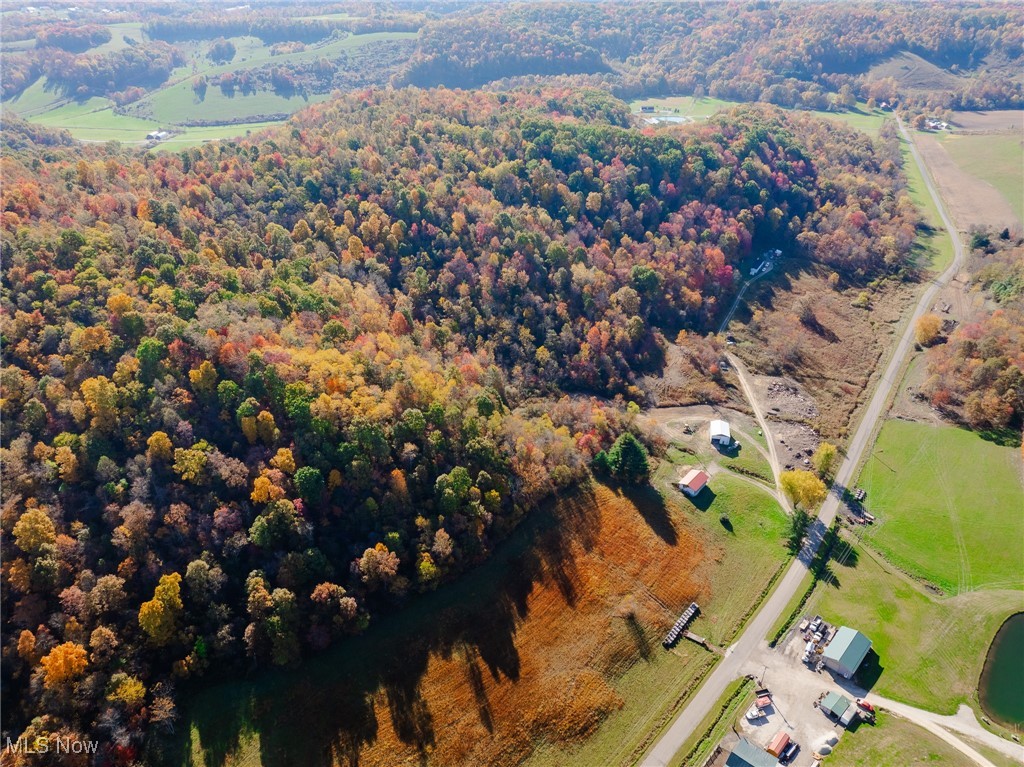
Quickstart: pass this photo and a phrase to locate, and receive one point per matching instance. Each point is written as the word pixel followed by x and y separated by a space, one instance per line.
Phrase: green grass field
pixel 931 649
pixel 996 159
pixel 174 103
pixel 934 249
pixel 948 505
pixel 894 742
pixel 716 724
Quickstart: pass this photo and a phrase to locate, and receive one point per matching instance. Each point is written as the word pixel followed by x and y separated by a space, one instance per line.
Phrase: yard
pixel 948 505
pixel 894 742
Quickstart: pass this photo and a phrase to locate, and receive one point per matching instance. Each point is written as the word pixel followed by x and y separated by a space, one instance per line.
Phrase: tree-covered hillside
pixel 256 392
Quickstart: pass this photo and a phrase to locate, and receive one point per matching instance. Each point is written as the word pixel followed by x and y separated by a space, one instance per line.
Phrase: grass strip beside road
pixel 715 725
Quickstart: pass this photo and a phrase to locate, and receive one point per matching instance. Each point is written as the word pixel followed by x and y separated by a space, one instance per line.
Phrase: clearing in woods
pixel 941 667
pixel 894 742
pixel 550 651
pixel 915 73
pixel 948 505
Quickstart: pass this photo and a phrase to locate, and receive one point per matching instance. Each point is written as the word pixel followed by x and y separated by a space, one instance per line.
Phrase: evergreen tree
pixel 628 460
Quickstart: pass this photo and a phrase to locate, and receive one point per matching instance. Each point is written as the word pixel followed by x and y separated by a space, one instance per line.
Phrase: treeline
pixel 784 54
pixel 977 373
pixel 72 38
pixel 256 392
pixel 274 29
pixel 93 74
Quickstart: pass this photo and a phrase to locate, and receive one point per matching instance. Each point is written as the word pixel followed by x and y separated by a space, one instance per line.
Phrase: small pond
pixel 1002 681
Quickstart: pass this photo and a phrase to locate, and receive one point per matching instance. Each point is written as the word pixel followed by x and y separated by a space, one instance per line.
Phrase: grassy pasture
pixel 948 505
pixel 997 159
pixel 931 649
pixel 894 742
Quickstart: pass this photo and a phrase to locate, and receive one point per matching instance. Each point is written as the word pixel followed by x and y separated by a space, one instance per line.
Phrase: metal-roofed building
pixel 846 651
pixel 746 754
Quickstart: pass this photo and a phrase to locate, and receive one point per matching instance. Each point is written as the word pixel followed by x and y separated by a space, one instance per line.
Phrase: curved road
pixel 729 669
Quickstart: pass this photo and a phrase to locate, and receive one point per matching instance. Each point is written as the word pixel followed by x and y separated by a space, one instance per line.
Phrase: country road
pixel 714 687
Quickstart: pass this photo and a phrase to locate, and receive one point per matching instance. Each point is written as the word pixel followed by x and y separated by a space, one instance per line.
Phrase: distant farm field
pixel 995 159
pixel 894 742
pixel 697 108
pixel 949 506
pixel 931 649
pixel 174 105
pixel 549 653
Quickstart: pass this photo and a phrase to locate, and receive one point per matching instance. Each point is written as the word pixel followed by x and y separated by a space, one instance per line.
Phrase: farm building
pixel 720 433
pixel 694 481
pixel 838 707
pixel 746 754
pixel 846 651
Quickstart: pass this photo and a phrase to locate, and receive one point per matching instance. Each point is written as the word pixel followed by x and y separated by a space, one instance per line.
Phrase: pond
pixel 1003 677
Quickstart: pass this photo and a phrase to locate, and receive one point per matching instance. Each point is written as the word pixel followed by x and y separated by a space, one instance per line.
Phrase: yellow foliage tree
pixel 160 447
pixel 266 427
pixel 126 690
pixel 67 463
pixel 803 488
pixel 63 664
pixel 100 395
pixel 204 377
pixel 189 464
pixel 34 530
pixel 926 329
pixel 284 460
pixel 249 428
pixel 265 491
pixel 158 616
pixel 119 303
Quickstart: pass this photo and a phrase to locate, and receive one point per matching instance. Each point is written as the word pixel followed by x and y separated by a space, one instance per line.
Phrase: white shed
pixel 720 433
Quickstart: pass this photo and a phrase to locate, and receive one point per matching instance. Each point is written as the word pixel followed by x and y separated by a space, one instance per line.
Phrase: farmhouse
pixel 746 754
pixel 720 433
pixel 694 481
pixel 846 651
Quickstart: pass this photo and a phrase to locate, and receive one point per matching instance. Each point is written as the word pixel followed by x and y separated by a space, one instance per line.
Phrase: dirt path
pixel 963 722
pixel 690 717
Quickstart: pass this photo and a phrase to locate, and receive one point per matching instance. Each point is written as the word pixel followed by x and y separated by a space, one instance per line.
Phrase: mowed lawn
pixel 997 159
pixel 931 649
pixel 950 506
pixel 894 742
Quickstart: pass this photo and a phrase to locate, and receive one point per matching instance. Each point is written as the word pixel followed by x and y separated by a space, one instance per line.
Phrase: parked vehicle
pixel 789 754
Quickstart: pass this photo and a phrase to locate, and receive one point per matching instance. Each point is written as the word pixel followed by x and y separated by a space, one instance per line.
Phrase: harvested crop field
pixel 972 200
pixel 554 639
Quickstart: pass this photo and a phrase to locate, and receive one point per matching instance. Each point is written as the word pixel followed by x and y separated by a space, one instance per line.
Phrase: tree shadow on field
pixel 636 631
pixel 652 508
pixel 326 711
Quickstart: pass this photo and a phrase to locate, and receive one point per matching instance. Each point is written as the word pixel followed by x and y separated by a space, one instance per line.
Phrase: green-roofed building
pixel 846 651
pixel 835 704
pixel 746 754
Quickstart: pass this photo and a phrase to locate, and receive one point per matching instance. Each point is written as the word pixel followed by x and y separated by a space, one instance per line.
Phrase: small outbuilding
pixel 746 754
pixel 694 481
pixel 846 651
pixel 835 705
pixel 778 744
pixel 720 433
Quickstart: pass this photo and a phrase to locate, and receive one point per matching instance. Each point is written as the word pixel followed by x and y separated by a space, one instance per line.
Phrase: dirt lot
pixel 834 349
pixel 971 201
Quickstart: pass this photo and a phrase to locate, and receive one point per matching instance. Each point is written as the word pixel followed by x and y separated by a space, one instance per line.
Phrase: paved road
pixel 729 669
